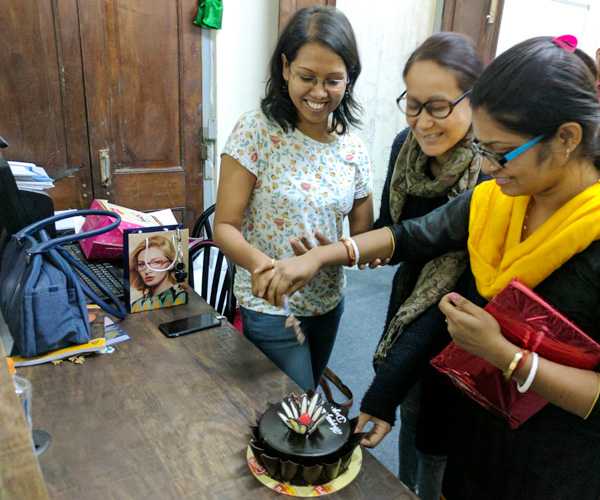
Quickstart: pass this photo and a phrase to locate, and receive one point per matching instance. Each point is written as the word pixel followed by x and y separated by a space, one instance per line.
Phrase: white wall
pixel 243 48
pixel 386 35
pixel 552 17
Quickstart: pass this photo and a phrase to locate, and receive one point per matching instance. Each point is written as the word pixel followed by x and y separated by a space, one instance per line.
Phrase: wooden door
pixel 287 8
pixel 113 79
pixel 42 108
pixel 142 74
pixel 480 19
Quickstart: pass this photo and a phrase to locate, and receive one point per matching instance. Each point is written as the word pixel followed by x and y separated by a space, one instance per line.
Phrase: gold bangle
pixel 508 373
pixel 595 399
pixel 393 240
pixel 350 251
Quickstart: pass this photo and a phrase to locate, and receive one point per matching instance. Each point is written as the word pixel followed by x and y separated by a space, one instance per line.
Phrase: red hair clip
pixel 566 42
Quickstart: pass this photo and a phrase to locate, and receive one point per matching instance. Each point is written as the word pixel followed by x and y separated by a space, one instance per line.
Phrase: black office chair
pixel 212 277
pixel 204 225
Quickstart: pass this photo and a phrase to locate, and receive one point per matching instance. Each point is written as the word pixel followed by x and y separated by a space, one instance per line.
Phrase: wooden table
pixel 20 475
pixel 167 418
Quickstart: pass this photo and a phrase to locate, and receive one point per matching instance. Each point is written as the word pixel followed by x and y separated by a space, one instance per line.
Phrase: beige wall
pixel 552 17
pixel 243 49
pixel 386 36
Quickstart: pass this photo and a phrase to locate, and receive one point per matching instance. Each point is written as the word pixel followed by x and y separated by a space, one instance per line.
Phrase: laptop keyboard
pixel 108 274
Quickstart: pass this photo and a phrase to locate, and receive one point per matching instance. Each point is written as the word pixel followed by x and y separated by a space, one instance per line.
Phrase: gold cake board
pixel 343 480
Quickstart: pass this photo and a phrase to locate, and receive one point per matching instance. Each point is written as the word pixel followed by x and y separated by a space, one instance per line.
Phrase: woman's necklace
pixel 524 230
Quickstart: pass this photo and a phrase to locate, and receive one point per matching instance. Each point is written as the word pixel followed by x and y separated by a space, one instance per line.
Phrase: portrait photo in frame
pixel 156 267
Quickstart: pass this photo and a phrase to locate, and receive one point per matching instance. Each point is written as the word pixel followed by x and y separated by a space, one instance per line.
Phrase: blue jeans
pixel 303 363
pixel 421 472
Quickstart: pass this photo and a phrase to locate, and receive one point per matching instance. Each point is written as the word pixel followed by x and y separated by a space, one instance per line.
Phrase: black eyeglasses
pixel 437 108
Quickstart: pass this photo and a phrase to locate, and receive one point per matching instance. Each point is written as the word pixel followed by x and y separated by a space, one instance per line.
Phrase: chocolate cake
pixel 303 440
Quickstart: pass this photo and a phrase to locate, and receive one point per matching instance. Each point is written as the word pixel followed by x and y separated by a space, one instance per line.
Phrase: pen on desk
pixel 292 322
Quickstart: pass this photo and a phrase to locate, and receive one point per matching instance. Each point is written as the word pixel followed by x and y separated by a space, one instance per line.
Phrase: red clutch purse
pixel 533 324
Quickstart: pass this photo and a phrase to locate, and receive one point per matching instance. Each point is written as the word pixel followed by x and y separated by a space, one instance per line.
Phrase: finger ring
pixel 273 262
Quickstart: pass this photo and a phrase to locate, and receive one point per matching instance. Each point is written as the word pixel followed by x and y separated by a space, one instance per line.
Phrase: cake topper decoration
pixel 285 447
pixel 301 415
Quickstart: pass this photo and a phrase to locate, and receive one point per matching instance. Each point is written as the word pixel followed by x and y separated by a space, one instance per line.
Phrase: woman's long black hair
pixel 536 86
pixel 330 28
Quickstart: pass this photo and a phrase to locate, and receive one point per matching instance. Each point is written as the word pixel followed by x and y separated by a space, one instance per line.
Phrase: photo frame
pixel 156 267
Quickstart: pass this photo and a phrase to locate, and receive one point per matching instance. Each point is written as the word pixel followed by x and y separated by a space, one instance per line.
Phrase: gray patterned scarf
pixel 439 276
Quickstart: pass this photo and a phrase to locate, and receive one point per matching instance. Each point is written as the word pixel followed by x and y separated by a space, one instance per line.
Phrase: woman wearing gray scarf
pixel 431 162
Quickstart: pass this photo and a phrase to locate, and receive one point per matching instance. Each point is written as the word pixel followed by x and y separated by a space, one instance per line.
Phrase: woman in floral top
pixel 290 173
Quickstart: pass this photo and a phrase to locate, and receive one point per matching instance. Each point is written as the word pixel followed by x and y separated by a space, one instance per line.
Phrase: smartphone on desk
pixel 190 325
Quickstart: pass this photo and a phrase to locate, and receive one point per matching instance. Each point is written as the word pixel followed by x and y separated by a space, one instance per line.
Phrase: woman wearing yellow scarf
pixel 537 119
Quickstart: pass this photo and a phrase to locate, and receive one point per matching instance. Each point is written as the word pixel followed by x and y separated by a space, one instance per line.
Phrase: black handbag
pixel 42 299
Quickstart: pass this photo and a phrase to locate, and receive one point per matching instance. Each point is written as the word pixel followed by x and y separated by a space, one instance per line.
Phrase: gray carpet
pixel 367 296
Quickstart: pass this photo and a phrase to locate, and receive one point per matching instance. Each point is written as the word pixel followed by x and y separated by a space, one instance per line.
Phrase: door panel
pixel 37 117
pixel 480 19
pixel 166 185
pixel 81 76
pixel 132 69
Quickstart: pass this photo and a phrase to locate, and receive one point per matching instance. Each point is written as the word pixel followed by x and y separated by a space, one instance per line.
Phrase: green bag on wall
pixel 210 14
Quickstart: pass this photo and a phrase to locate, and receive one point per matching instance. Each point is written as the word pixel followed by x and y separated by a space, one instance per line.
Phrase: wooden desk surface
pixel 167 418
pixel 20 475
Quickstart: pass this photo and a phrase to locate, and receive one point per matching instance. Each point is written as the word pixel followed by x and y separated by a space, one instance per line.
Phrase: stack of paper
pixel 30 176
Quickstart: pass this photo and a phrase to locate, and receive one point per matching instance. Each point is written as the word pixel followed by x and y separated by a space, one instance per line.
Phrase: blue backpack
pixel 42 299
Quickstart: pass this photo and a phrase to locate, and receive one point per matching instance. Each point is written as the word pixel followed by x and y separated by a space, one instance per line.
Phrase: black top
pixel 407 361
pixel 553 455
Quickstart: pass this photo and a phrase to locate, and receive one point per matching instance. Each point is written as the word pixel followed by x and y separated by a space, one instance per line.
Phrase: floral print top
pixel 302 186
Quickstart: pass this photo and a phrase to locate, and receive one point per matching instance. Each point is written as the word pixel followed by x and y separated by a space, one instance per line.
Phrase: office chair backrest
pixel 213 276
pixel 203 226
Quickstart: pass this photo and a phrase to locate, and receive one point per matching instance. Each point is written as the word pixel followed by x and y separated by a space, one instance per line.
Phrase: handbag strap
pixel 46 245
pixel 118 310
pixel 330 376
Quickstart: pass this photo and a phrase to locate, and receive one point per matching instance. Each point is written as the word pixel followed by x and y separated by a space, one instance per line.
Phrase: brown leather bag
pixel 330 377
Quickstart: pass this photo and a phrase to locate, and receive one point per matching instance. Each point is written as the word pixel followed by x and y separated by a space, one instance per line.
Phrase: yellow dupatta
pixel 498 255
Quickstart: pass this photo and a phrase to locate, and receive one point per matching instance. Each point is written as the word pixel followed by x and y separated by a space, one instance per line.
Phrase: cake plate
pixel 316 490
